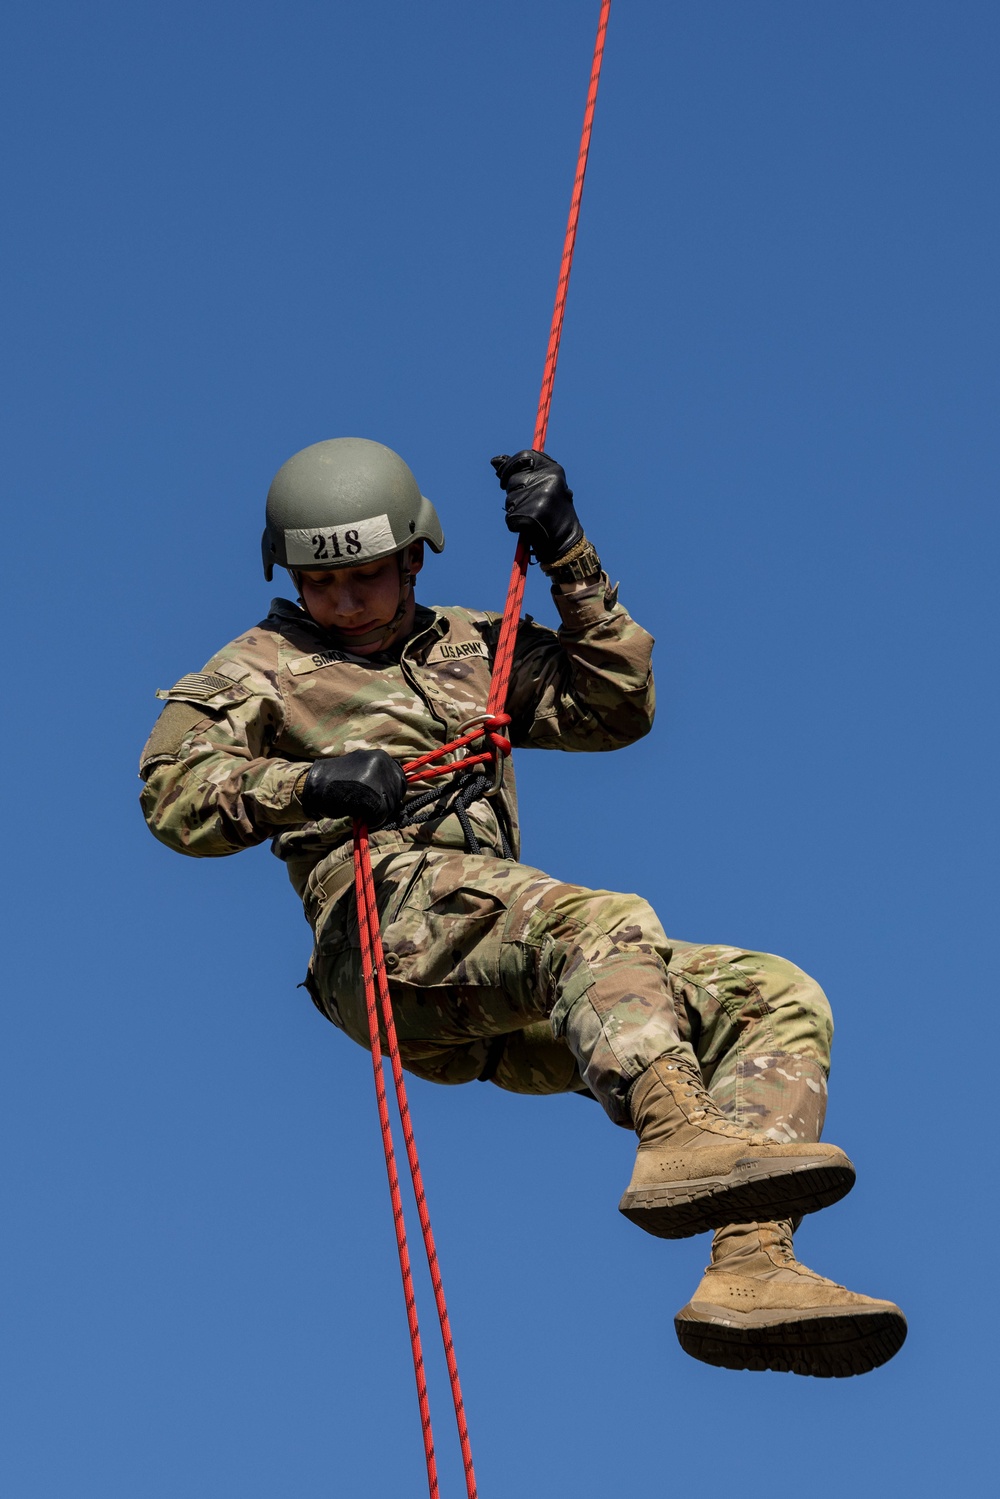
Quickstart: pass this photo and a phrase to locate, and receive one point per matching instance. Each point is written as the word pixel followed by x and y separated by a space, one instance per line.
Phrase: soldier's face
pixel 357 600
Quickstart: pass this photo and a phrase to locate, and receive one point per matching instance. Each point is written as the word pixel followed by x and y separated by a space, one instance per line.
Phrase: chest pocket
pixel 456 676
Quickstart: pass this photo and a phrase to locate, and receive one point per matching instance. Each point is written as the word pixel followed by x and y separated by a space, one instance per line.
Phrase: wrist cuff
pixel 276 792
pixel 581 561
pixel 582 605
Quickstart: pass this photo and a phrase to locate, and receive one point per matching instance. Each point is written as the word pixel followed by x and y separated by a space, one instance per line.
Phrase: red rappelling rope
pixel 377 997
pixel 504 658
pixel 495 745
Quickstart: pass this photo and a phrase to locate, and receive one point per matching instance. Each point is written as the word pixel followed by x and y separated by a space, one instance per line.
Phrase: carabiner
pixel 498 758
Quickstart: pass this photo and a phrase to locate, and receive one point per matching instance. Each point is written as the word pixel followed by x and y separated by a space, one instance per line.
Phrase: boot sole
pixel 821 1343
pixel 754 1191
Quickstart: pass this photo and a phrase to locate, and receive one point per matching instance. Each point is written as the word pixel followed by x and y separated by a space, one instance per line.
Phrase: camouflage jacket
pixel 221 765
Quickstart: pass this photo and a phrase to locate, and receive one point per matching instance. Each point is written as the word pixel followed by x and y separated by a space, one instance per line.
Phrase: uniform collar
pixel 427 624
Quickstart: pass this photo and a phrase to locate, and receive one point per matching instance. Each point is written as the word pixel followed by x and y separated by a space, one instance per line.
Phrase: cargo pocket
pixel 310 984
pixel 395 878
pixel 453 938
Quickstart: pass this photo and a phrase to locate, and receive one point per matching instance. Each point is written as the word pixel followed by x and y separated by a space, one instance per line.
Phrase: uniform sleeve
pixel 211 787
pixel 588 686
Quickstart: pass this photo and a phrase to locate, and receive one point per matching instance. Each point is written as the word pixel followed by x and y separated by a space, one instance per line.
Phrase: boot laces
pixel 781 1247
pixel 692 1090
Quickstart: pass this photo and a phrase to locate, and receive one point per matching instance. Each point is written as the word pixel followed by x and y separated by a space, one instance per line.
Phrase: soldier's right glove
pixel 367 784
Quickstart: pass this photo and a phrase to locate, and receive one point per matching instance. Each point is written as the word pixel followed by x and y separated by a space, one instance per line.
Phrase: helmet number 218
pixel 327 546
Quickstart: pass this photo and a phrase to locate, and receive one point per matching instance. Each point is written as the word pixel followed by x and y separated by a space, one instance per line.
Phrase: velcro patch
pixel 200 685
pixel 169 733
pixel 447 650
pixel 208 687
pixel 349 545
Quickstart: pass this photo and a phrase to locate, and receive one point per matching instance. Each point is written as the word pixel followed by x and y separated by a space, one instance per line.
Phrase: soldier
pixel 716 1057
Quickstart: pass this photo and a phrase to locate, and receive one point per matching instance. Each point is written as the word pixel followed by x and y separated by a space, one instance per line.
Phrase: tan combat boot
pixel 758 1308
pixel 696 1170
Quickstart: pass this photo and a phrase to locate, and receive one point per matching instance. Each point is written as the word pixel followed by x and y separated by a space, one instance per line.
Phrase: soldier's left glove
pixel 539 503
pixel 367 784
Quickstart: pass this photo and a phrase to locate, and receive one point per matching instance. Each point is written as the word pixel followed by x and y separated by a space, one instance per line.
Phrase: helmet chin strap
pixel 384 633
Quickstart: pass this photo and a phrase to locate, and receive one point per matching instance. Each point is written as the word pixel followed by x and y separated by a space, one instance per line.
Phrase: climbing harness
pixel 479 773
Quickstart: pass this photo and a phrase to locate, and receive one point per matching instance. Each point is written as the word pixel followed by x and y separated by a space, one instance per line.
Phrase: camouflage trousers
pixel 498 972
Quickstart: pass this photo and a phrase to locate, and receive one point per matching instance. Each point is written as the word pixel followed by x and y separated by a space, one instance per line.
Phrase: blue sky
pixel 233 230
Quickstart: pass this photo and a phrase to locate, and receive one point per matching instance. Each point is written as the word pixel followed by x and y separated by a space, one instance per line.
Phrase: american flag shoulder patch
pixel 201 687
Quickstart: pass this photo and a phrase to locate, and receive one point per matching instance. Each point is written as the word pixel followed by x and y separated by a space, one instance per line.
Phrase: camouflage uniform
pixel 496 971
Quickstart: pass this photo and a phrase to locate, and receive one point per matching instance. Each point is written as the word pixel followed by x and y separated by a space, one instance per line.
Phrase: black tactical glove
pixel 367 784
pixel 539 503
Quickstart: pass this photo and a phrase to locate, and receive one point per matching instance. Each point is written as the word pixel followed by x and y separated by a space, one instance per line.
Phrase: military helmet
pixel 341 503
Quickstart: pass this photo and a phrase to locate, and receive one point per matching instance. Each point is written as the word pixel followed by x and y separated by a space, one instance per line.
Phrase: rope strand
pixel 569 244
pixel 504 659
pixel 372 967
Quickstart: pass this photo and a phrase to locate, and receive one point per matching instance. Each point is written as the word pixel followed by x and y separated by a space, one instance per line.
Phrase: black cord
pixel 455 798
